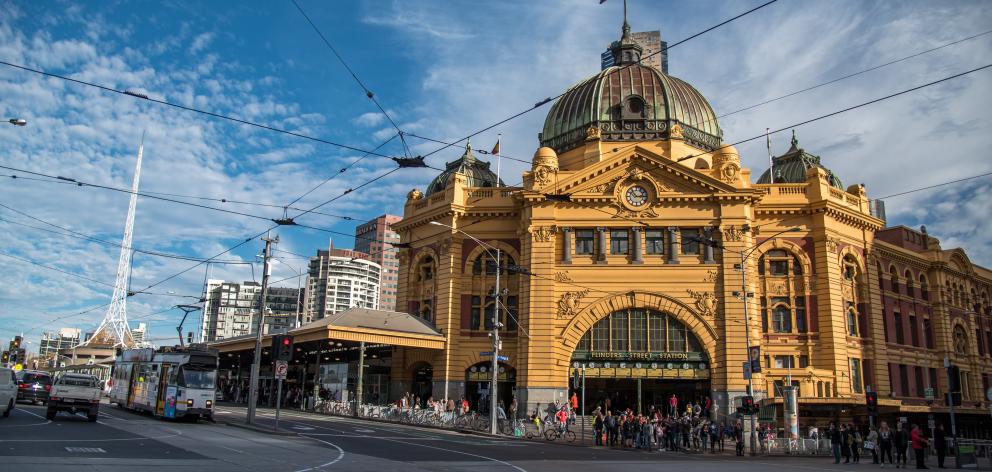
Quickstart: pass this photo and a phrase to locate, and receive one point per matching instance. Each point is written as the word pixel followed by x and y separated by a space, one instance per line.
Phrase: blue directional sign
pixel 486 353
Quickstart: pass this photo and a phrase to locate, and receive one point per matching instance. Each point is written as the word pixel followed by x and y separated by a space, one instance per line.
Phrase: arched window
pixel 639 330
pixel 422 288
pixel 484 306
pixel 894 279
pixel 924 290
pixel 881 276
pixel 960 340
pixel 852 321
pixel 909 284
pixel 783 298
pixel 853 291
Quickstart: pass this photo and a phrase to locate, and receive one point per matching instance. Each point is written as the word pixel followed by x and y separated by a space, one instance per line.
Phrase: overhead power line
pixel 541 103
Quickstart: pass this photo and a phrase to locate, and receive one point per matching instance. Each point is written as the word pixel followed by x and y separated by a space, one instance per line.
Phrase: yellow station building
pixel 602 267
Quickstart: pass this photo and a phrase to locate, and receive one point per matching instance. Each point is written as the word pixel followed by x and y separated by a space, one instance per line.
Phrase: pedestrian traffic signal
pixel 282 347
pixel 871 399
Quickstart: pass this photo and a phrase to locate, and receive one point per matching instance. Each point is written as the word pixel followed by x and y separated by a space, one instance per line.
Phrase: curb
pixel 258 429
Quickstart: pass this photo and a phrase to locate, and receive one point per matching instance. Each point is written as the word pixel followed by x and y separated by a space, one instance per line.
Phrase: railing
pixel 792 190
pixel 416 416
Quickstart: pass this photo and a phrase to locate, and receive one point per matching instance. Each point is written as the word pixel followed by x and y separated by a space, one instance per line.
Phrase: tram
pixel 170 382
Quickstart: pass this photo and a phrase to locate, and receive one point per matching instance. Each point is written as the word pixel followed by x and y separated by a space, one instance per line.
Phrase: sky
pixel 441 69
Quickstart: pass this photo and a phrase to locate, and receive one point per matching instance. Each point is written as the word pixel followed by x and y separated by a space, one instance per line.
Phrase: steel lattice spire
pixel 114 328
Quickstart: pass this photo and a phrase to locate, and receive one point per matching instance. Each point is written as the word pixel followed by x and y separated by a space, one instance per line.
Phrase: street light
pixel 495 331
pixel 747 327
pixel 17 121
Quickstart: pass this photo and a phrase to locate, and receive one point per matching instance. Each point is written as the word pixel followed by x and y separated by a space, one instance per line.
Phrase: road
pixel 124 441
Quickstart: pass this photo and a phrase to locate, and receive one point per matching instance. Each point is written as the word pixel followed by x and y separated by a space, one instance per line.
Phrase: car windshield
pixel 193 378
pixel 36 378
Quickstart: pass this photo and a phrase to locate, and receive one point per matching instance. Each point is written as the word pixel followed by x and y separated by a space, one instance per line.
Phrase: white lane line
pixel 32 414
pixel 326 464
pixel 364 436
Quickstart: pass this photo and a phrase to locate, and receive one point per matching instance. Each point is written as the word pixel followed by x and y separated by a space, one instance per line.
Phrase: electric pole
pixel 256 364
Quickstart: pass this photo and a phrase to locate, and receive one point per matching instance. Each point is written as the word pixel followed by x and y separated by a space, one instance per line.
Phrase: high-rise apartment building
pixel 139 333
pixel 231 309
pixel 339 279
pixel 651 43
pixel 376 238
pixel 54 341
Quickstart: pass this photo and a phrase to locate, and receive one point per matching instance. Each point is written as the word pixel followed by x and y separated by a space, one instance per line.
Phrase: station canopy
pixel 356 325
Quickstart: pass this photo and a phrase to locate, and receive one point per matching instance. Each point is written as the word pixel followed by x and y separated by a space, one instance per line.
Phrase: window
pixel 764 315
pixel 903 380
pixel 782 319
pixel 893 280
pixel 934 382
pixel 656 335
pixel 784 362
pixel 909 284
pixel 927 337
pixel 638 330
pixel 689 244
pixel 923 288
pixel 619 331
pixel 803 361
pixel 619 241
pixel 800 307
pixel 585 241
pixel 513 315
pixel 655 241
pixel 852 320
pixel 914 334
pixel 676 336
pixel 918 374
pixel 857 385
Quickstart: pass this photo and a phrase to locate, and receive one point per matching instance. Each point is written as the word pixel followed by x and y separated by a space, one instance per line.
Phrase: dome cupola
pixel 476 172
pixel 791 167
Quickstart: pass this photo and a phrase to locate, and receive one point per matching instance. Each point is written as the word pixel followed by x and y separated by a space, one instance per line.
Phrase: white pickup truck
pixel 75 393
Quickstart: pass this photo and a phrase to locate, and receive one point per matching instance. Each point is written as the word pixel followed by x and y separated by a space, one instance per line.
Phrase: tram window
pixel 195 378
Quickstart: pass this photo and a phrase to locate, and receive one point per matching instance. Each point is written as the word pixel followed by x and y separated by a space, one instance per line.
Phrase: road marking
pixel 303 428
pixel 86 450
pixel 458 452
pixel 364 430
pixel 326 464
pixel 32 414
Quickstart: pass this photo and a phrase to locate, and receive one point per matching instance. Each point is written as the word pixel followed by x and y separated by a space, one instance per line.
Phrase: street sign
pixel 282 367
pixel 928 393
pixel 502 358
pixel 486 353
pixel 903 419
pixel 931 424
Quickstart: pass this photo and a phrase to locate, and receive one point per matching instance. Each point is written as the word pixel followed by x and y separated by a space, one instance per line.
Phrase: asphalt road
pixel 124 441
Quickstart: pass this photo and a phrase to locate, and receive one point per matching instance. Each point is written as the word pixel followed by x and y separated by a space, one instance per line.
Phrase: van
pixel 8 390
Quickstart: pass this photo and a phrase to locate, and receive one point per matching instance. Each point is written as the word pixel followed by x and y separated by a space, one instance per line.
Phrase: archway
pixel 478 379
pixel 422 383
pixel 638 357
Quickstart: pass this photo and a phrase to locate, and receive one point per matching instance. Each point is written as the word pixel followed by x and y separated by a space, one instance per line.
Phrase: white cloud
pixel 370 119
pixel 200 42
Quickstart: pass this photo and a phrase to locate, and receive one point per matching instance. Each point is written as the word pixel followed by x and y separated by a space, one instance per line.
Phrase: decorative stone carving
pixel 832 244
pixel 608 186
pixel 730 172
pixel 562 276
pixel 544 234
pixel 568 305
pixel 444 246
pixel 414 195
pixel 733 233
pixel 778 288
pixel 705 302
pixel 710 276
pixel 635 174
pixel 542 174
pixel 623 212
pixel 593 133
pixel 675 132
pixel 847 292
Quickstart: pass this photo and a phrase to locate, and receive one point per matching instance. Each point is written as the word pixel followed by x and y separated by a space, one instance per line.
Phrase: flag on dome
pixel 495 150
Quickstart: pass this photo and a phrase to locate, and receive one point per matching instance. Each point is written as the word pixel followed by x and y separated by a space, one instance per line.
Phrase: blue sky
pixel 442 69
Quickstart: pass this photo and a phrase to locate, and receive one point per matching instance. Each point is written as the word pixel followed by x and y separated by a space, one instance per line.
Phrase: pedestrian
pixel 857 443
pixel 714 435
pixel 707 404
pixel 919 441
pixel 885 439
pixel 597 427
pixel 704 434
pixel 739 438
pixel 901 443
pixel 611 429
pixel 871 444
pixel 574 401
pixel 835 440
pixel 940 444
pixel 673 405
pixel 513 409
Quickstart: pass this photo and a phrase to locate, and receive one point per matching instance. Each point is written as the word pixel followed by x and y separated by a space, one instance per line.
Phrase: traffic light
pixel 14 356
pixel 747 405
pixel 282 347
pixel 6 357
pixel 16 343
pixel 871 399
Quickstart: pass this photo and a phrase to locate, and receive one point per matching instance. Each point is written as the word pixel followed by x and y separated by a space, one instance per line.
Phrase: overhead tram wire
pixel 344 169
pixel 194 110
pixel 480 151
pixel 838 79
pixel 551 99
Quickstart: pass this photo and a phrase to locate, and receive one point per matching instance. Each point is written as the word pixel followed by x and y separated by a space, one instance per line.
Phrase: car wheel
pixel 50 414
pixel 10 407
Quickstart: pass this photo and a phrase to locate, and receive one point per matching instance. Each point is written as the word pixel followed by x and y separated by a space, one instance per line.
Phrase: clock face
pixel 637 196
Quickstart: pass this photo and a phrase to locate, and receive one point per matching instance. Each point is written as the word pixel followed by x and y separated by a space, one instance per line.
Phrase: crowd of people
pixel 849 442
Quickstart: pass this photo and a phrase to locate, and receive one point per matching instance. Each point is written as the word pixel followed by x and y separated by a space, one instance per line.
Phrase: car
pixel 33 386
pixel 8 390
pixel 75 393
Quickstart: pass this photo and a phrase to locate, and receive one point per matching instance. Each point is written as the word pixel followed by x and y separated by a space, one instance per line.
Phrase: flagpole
pixel 771 163
pixel 499 157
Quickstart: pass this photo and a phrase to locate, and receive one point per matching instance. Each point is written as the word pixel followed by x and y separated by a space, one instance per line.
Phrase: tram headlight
pixel 210 403
pixel 189 403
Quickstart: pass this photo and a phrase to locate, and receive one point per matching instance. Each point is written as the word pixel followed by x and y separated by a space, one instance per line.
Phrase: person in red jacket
pixel 919 444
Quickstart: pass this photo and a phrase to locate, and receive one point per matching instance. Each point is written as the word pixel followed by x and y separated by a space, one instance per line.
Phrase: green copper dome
pixel 791 167
pixel 476 172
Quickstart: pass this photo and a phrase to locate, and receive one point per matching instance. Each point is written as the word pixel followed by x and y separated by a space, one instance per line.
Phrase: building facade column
pixel 638 253
pixel 708 245
pixel 566 245
pixel 600 245
pixel 673 245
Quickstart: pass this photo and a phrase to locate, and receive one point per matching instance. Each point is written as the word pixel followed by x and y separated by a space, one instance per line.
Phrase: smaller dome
pixel 791 167
pixel 545 156
pixel 476 172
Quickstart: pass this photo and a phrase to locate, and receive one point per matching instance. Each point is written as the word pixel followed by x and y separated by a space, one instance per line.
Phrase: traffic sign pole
pixel 282 367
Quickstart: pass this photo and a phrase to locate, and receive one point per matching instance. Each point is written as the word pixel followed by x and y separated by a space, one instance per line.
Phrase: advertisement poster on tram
pixel 170 402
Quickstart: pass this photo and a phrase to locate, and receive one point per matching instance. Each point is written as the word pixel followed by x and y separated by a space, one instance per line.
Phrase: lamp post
pixel 745 254
pixel 17 121
pixel 495 331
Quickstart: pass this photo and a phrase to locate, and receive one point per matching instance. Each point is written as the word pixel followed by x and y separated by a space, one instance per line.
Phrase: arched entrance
pixel 422 385
pixel 478 379
pixel 638 357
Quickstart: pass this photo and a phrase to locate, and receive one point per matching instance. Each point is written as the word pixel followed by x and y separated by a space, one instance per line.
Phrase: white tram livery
pixel 170 382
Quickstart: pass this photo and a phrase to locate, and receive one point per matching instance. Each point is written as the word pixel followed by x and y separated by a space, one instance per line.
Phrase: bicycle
pixel 552 434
